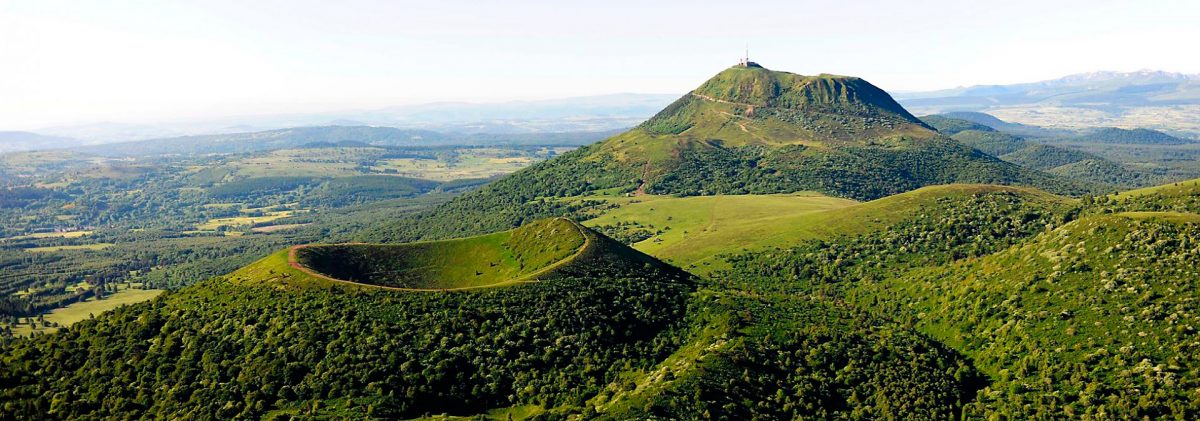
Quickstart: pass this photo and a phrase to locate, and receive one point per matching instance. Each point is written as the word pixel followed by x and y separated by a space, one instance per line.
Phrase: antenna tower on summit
pixel 745 61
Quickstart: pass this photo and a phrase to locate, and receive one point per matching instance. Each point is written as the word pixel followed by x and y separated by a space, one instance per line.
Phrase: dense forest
pixel 1076 311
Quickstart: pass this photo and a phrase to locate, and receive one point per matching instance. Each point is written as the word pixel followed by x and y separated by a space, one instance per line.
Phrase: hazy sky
pixel 145 61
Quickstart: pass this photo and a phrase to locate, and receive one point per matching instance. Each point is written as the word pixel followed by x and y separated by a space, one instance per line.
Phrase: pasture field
pixel 691 232
pixel 241 221
pixel 277 228
pixel 40 235
pixel 66 316
pixel 452 164
pixel 304 162
pixel 86 247
pixel 1182 188
pixel 465 164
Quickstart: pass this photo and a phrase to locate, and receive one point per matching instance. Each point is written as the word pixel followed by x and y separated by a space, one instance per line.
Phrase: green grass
pixel 40 235
pixel 486 260
pixel 519 412
pixel 1182 188
pixel 76 312
pixel 696 230
pixel 1176 217
pixel 84 247
pixel 241 221
pixel 470 163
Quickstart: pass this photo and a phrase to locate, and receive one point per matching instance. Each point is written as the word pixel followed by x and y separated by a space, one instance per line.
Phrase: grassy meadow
pixel 66 316
pixel 692 232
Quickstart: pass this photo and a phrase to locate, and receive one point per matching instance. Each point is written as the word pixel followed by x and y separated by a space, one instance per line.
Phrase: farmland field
pixel 238 221
pixel 73 313
pixel 68 234
pixel 51 249
pixel 692 231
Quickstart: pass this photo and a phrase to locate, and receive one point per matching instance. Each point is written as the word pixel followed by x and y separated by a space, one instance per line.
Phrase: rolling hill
pixel 1087 302
pixel 13 141
pixel 1131 137
pixel 948 300
pixel 1040 154
pixel 1151 99
pixel 1111 293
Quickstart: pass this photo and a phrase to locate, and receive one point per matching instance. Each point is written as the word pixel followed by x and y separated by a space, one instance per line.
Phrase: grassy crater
pixel 492 259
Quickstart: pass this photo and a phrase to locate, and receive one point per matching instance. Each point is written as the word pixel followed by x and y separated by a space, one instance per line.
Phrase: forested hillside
pixel 748 130
pixel 1071 311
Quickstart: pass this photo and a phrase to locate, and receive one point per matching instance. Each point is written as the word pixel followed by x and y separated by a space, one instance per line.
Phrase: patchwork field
pixel 469 163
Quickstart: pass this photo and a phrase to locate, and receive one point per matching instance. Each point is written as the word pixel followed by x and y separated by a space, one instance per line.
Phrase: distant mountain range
pixel 13 141
pixel 577 114
pixel 1164 101
pixel 1152 99
pixel 1103 90
pixel 327 136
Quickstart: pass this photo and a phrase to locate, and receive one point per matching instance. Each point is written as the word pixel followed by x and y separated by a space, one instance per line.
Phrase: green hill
pixel 273 339
pixel 1066 162
pixel 748 130
pixel 1075 310
pixel 1131 136
pixel 976 300
pixel 753 130
pixel 503 257
pixel 540 250
pixel 1114 294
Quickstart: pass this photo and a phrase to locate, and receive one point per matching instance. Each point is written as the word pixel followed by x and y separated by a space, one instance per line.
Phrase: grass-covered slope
pixel 696 232
pixel 503 257
pixel 1099 313
pixel 545 249
pixel 1072 310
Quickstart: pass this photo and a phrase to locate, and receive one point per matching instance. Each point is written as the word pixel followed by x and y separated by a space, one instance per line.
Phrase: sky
pixel 73 62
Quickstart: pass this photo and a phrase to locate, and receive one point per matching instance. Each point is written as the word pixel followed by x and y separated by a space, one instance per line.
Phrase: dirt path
pixel 641 190
pixel 709 98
